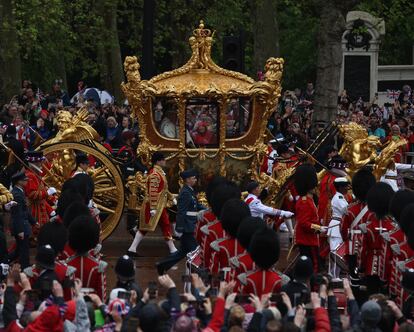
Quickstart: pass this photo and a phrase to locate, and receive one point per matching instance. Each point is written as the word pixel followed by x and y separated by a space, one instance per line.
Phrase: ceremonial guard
pixel 188 208
pixel 214 230
pixel 374 260
pixel 397 243
pixel 258 209
pixel 36 191
pixel 55 234
pixel 339 206
pixel 264 250
pixel 153 209
pixel 234 211
pixel 125 275
pixel 84 236
pixel 21 219
pixel 307 220
pixel 82 164
pixel 357 213
pixel 243 263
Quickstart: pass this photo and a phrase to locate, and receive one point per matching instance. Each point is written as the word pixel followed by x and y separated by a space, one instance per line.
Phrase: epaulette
pixel 386 236
pixel 285 279
pixel 401 266
pixel 234 261
pixel 215 246
pixel 204 229
pixel 29 271
pixel 396 249
pixel 97 249
pixel 363 228
pixel 102 266
pixel 70 270
pixel 242 278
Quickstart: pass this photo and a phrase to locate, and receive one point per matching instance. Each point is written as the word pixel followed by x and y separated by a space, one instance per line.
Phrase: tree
pixel 265 32
pixel 10 63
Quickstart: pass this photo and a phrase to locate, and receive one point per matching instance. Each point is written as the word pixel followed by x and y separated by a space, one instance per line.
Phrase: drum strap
pixel 354 223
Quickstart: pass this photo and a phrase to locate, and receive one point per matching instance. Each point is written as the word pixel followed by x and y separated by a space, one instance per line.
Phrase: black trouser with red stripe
pixel 313 253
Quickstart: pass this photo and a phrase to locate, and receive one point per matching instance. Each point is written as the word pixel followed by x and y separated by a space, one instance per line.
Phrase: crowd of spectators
pixel 391 121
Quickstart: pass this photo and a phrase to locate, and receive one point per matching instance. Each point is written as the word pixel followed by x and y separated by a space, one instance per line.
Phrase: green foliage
pixel 396 46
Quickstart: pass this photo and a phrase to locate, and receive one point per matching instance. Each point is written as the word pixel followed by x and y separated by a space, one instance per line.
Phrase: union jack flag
pixel 393 94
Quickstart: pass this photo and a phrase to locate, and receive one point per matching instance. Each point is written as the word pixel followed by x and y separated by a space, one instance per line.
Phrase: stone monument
pixel 360 45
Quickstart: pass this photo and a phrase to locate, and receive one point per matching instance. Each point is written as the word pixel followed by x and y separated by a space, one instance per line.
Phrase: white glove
pixel 286 214
pixel 324 229
pixel 9 205
pixel 153 212
pixel 174 201
pixel 51 191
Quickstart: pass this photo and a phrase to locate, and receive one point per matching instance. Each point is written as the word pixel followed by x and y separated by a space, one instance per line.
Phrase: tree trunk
pixel 266 33
pixel 329 63
pixel 114 53
pixel 10 62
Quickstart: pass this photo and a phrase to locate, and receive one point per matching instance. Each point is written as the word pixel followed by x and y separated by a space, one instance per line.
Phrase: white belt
pixel 356 231
pixel 191 214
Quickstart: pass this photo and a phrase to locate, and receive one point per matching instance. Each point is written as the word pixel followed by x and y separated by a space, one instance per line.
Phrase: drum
pixel 194 260
pixel 339 256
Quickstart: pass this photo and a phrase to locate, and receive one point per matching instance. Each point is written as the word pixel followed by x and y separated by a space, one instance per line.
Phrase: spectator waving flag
pixel 393 94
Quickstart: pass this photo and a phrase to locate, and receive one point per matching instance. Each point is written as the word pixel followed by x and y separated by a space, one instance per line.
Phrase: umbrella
pixel 93 94
pixel 106 98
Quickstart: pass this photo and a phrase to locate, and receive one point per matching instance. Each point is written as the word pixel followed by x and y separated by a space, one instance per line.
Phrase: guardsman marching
pixel 375 261
pixel 307 220
pixel 264 250
pixel 234 211
pixel 154 206
pixel 357 213
pixel 84 236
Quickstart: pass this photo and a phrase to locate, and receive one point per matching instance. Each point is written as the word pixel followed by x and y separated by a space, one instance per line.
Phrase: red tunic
pixel 400 253
pixel 91 272
pixel 224 249
pixel 373 244
pixel 213 232
pixel 326 192
pixel 36 192
pixel 62 272
pixel 353 236
pixel 260 282
pixel 306 216
pixel 207 218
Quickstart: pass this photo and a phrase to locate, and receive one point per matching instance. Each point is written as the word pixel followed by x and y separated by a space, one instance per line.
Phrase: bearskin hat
pixel 222 194
pixel 83 234
pixel 247 228
pixel 264 248
pixel 53 233
pixel 305 179
pixel 407 223
pixel 124 267
pixel 303 268
pixel 85 185
pixel 379 198
pixel 399 201
pixel 233 212
pixel 73 211
pixel 362 181
pixel 407 281
pixel 217 180
pixel 66 199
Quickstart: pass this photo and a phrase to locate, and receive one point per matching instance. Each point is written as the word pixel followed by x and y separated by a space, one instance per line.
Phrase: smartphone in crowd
pixel 152 290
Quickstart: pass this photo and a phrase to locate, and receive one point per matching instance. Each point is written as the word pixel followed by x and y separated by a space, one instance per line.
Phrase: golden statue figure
pixel 5 195
pixel 385 160
pixel 358 149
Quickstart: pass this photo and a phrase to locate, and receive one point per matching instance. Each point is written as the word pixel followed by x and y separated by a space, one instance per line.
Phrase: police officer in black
pixel 186 220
